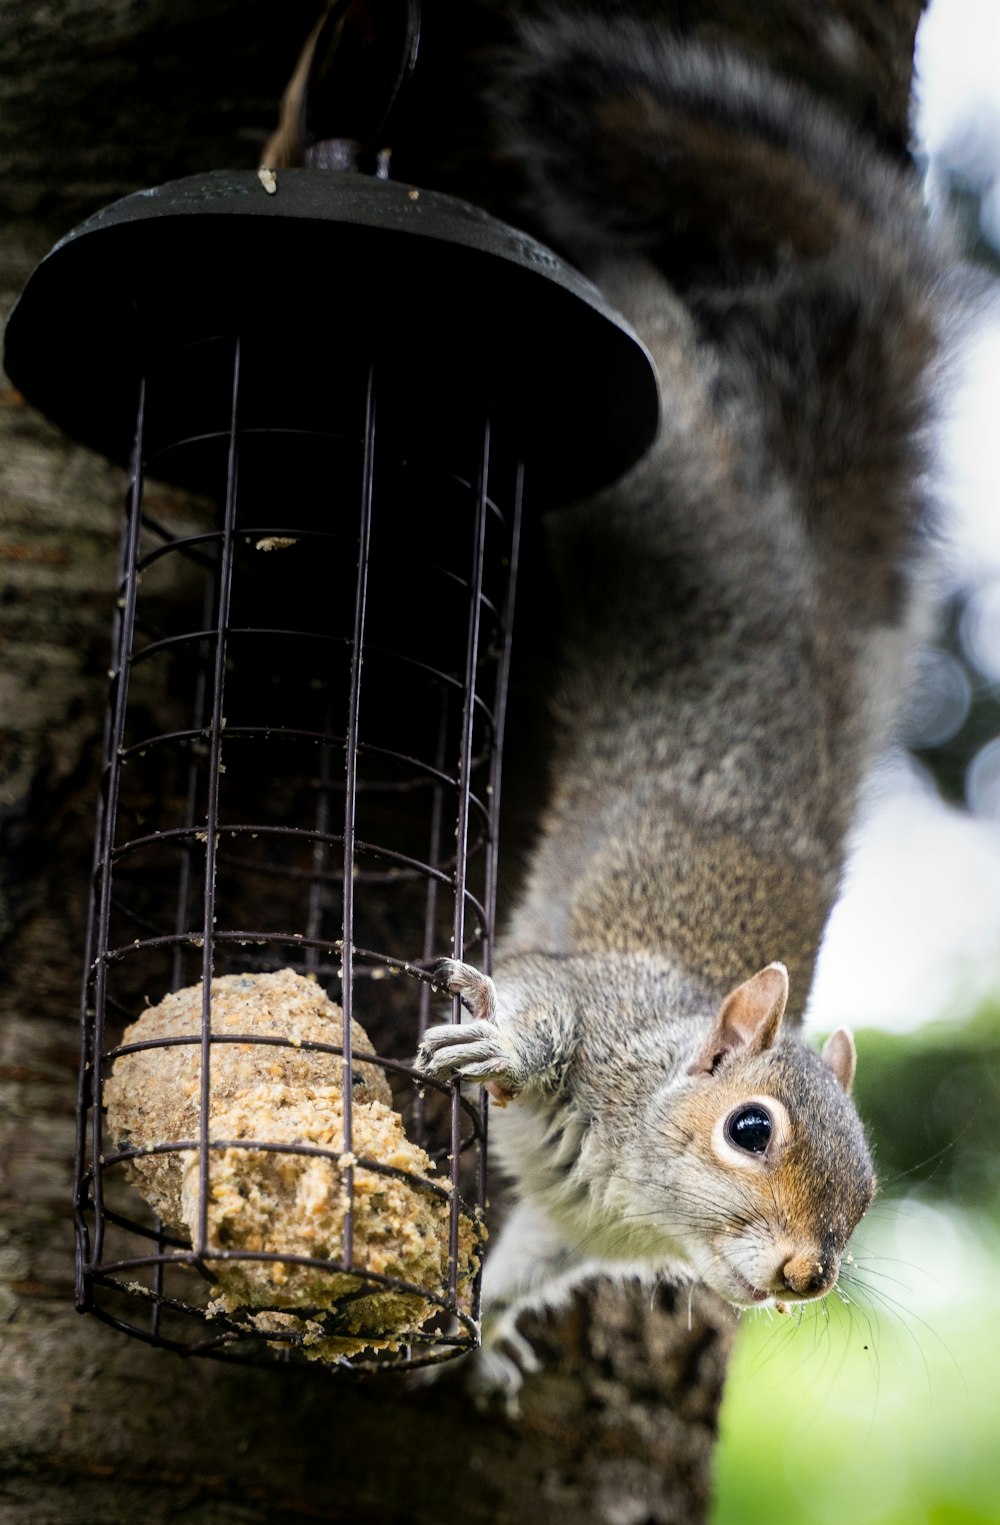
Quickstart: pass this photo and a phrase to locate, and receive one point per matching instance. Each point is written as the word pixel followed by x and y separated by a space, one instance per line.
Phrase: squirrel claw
pixel 472 1051
pixel 495 1382
pixel 496 1375
pixel 476 991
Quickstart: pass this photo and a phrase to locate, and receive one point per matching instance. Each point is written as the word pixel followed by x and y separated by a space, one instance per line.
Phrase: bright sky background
pixel 917 932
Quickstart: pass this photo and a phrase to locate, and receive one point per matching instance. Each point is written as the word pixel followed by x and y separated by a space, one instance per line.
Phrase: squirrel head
pixel 774 1173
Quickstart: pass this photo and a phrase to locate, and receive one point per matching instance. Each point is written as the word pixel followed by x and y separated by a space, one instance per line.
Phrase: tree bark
pixel 95 101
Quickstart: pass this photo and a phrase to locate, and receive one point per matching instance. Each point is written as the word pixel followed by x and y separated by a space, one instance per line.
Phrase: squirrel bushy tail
pixel 632 134
pixel 800 249
pixel 748 599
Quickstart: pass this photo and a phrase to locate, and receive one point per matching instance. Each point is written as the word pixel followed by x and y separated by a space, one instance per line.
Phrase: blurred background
pixel 882 1407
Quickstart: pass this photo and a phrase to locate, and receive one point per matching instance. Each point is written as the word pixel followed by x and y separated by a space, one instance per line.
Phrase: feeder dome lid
pixel 331 261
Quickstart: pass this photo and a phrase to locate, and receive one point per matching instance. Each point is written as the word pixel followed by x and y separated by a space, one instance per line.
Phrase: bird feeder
pixel 333 400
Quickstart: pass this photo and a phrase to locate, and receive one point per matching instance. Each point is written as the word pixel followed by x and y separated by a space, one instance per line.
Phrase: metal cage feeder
pixel 358 386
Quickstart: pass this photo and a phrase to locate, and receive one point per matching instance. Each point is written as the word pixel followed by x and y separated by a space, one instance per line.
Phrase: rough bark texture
pixel 96 99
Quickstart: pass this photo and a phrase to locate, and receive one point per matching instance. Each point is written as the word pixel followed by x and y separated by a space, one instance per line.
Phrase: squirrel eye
pixel 749 1128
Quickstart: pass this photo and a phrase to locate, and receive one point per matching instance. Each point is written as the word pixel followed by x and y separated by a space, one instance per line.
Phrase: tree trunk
pixel 95 101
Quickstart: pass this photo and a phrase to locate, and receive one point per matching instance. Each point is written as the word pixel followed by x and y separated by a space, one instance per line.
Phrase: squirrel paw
pixel 491 1377
pixel 476 1050
pixel 495 1381
pixel 472 1051
pixel 496 1375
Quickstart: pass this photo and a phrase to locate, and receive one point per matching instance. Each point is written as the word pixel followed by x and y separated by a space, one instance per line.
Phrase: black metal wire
pixel 365 679
pixel 106 829
pixel 350 798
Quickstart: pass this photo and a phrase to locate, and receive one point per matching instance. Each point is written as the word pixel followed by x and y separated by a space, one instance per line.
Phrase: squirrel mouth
pixel 745 1293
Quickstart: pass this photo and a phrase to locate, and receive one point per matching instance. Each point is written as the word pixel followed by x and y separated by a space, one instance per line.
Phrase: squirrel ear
pixel 748 1018
pixel 841 1056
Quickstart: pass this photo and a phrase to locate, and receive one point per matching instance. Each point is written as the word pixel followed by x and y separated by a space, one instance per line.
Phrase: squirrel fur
pixel 742 607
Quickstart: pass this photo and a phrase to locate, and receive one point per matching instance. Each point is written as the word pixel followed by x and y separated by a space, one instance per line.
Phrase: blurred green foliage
pixel 931 1103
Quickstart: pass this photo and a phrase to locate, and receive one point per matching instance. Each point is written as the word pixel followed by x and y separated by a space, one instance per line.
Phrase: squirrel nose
pixel 807 1276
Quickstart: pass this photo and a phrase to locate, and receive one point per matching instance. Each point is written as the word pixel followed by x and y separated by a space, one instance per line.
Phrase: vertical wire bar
pixel 89 1053
pixel 155 1310
pixel 212 815
pixel 126 633
pixel 191 797
pixel 183 907
pixel 496 776
pixel 462 830
pixel 468 704
pixel 434 859
pixel 431 945
pixel 499 720
pixel 350 800
pixel 320 851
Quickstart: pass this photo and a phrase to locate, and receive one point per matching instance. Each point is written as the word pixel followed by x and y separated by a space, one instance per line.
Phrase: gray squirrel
pixel 742 608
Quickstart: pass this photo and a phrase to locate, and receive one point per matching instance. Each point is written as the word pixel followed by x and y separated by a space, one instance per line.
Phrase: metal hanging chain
pixel 364 55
